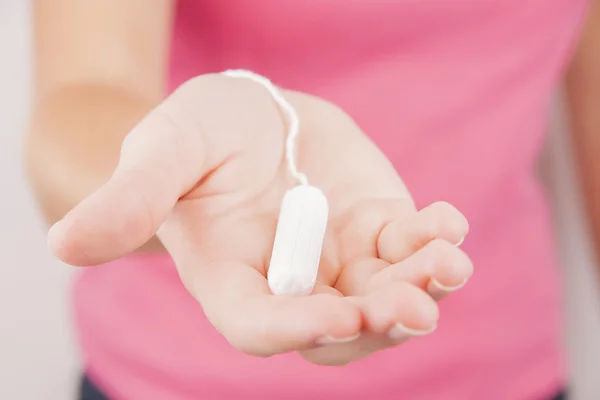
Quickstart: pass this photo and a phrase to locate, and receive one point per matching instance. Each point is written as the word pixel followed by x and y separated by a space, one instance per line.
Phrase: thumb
pixel 159 162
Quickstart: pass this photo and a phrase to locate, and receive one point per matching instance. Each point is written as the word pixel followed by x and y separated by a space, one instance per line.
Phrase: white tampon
pixel 298 241
pixel 303 216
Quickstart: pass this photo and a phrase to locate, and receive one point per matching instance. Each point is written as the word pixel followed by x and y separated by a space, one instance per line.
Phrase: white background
pixel 37 355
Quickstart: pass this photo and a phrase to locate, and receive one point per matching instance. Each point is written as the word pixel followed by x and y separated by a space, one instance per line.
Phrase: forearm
pixel 583 95
pixel 586 147
pixel 74 141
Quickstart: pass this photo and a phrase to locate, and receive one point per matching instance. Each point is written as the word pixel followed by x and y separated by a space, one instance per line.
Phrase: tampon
pixel 302 218
pixel 298 241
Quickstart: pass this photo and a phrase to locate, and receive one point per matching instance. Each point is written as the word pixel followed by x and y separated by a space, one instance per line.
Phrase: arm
pixel 583 95
pixel 100 67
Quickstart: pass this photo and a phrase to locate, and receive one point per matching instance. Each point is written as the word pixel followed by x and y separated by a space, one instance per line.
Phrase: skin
pixel 118 167
pixel 582 93
pixel 211 186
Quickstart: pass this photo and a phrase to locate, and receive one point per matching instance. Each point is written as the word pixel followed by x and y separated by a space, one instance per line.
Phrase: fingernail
pixel 51 236
pixel 448 289
pixel 400 332
pixel 460 241
pixel 52 228
pixel 332 340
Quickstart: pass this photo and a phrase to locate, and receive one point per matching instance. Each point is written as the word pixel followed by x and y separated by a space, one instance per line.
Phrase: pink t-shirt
pixel 456 93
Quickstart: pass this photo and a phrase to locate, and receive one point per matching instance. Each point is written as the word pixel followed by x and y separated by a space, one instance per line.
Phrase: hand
pixel 206 171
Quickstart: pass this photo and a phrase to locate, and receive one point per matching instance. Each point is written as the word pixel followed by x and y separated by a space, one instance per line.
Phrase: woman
pixel 453 93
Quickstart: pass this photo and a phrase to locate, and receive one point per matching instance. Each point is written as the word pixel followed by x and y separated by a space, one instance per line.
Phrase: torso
pixel 456 94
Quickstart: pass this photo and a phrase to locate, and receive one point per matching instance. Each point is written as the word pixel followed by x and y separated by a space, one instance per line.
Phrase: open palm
pixel 206 172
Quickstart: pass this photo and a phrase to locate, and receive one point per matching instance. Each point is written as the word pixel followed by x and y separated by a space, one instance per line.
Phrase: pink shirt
pixel 455 92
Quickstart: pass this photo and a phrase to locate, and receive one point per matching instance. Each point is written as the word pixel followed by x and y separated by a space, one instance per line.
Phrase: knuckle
pixel 443 212
pixel 464 261
pixel 441 251
pixel 447 256
pixel 443 208
pixel 387 242
pixel 448 217
pixel 408 295
pixel 426 229
pixel 135 181
pixel 367 214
